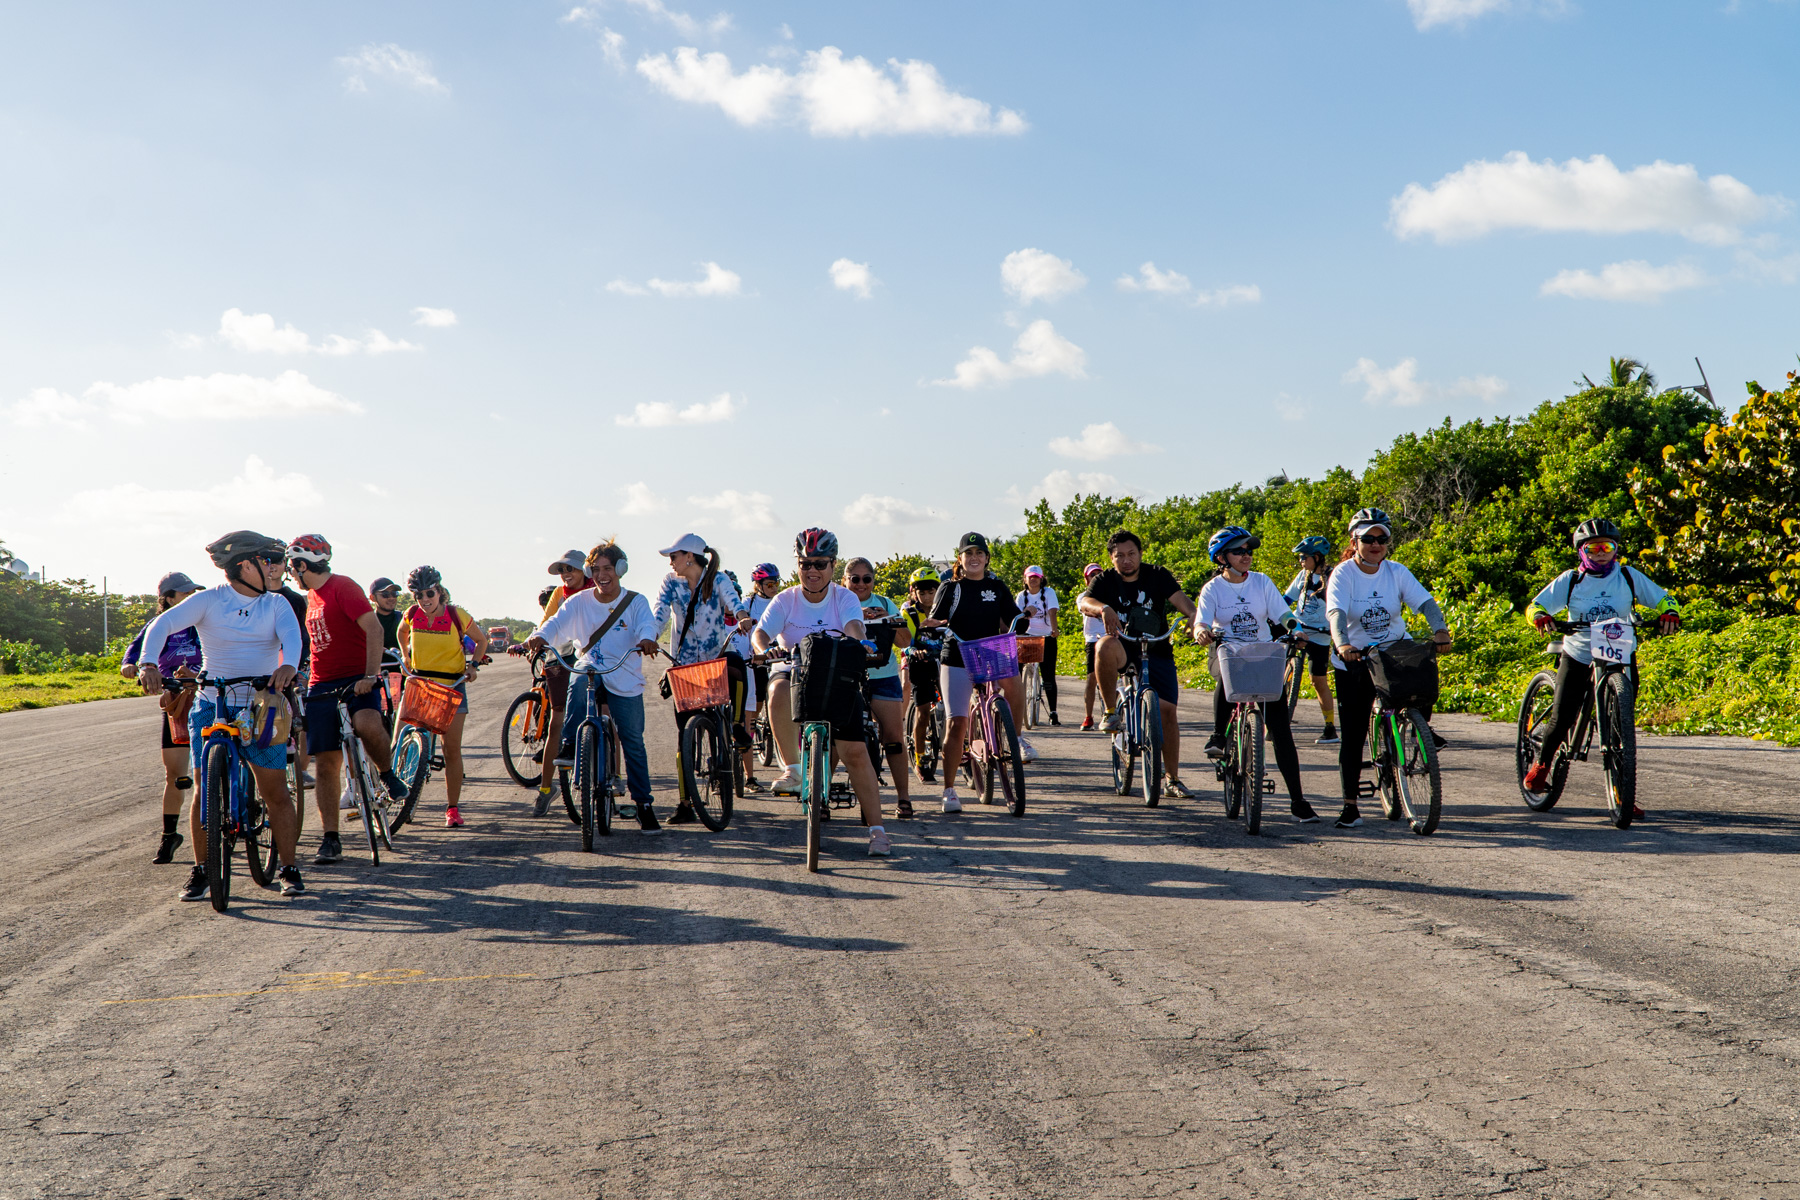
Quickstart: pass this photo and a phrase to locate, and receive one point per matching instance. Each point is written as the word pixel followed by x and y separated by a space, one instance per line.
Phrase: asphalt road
pixel 1099 1000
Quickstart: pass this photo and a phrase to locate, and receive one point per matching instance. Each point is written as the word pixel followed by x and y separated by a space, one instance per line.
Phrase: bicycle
pixel 296 778
pixel 1036 707
pixel 1293 678
pixel 991 750
pixel 525 732
pixel 927 648
pixel 416 756
pixel 1403 754
pixel 706 756
pixel 361 784
pixel 596 760
pixel 1253 674
pixel 1610 704
pixel 1141 731
pixel 225 775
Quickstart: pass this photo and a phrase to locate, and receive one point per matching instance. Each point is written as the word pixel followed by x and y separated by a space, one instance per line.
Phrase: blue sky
pixel 472 284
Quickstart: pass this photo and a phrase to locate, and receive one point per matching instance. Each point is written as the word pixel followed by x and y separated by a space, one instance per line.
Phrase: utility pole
pixel 103 614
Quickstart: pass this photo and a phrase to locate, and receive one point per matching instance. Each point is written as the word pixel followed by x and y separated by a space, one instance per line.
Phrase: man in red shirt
pixel 346 663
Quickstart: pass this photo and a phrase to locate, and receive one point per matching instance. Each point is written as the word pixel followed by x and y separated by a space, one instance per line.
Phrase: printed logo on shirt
pixel 1243 625
pixel 1376 618
pixel 989 595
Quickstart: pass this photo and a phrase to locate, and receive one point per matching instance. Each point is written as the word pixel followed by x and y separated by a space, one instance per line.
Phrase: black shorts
pixel 762 684
pixel 1090 656
pixel 323 734
pixel 168 740
pixel 1318 658
pixel 556 682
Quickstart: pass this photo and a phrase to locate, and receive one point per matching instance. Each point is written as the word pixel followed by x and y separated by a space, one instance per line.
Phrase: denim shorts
pixel 201 715
pixel 886 689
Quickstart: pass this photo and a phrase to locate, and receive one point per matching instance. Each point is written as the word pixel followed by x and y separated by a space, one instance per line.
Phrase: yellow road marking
pixel 332 981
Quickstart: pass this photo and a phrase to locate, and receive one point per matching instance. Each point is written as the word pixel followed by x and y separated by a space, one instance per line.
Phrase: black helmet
pixel 422 578
pixel 235 547
pixel 1593 527
pixel 816 543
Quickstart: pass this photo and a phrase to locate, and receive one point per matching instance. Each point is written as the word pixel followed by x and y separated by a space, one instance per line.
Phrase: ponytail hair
pixel 711 573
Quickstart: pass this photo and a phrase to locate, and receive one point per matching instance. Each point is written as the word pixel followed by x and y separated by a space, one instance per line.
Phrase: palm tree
pixel 1626 371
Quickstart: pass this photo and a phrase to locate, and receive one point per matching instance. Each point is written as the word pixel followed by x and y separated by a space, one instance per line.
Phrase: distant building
pixel 18 568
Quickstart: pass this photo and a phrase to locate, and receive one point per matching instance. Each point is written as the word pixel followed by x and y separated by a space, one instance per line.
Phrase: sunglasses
pixel 1371 539
pixel 271 560
pixel 1245 551
pixel 428 594
pixel 1601 546
pixel 390 594
pixel 859 579
pixel 816 564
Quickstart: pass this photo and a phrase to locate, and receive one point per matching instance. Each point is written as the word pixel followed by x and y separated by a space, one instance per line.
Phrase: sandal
pixel 903 810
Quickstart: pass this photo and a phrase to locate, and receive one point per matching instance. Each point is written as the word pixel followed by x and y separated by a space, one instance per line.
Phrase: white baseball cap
pixel 1038 571
pixel 692 543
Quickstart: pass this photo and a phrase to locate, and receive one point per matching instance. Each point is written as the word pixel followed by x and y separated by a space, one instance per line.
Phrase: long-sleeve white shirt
pixel 239 635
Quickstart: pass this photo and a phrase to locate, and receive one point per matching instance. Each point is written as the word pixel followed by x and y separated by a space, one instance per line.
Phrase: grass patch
pixel 62 687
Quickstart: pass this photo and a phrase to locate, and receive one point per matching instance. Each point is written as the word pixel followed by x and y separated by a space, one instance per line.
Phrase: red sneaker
pixel 1087 723
pixel 1537 779
pixel 1637 812
pixel 452 818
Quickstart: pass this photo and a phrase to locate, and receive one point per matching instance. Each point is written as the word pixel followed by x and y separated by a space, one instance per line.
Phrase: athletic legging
pixel 1573 679
pixel 1047 671
pixel 1356 712
pixel 1281 733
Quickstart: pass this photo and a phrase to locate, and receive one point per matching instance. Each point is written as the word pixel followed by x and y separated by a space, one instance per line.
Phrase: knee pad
pixel 892 748
pixel 184 783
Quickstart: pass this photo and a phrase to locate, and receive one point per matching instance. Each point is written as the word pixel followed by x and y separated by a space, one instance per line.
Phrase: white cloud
pixel 681 22
pixel 835 97
pixel 612 44
pixel 1635 280
pixel 1040 350
pixel 1031 274
pixel 1768 270
pixel 747 510
pixel 1059 487
pixel 640 501
pixel 434 318
pixel 391 62
pixel 258 489
pixel 47 408
pixel 1225 297
pixel 870 509
pixel 1400 385
pixel 661 413
pixel 715 281
pixel 1581 195
pixel 1428 13
pixel 375 489
pixel 218 397
pixel 1174 283
pixel 1098 442
pixel 256 333
pixel 849 276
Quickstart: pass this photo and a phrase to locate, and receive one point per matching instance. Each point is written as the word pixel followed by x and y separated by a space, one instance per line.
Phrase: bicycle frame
pixel 595 781
pixel 240 815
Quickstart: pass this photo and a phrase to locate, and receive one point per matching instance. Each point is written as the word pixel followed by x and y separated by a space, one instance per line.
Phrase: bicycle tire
pixel 815 786
pixel 1252 775
pixel 1009 765
pixel 1150 722
pixel 608 776
pixel 587 749
pixel 1229 774
pixel 1618 731
pixel 737 772
pixel 357 780
pixel 1534 709
pixel 517 735
pixel 409 762
pixel 260 854
pixel 1034 696
pixel 1123 764
pixel 568 795
pixel 765 741
pixel 703 770
pixel 218 807
pixel 1416 772
pixel 1294 682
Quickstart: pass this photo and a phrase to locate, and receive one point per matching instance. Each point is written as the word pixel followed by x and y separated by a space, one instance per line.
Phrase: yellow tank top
pixel 437 645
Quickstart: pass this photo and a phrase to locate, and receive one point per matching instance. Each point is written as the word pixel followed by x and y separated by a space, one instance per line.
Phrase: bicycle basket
pixel 993 658
pixel 1252 671
pixel 430 705
pixel 1031 650
pixel 1405 674
pixel 702 685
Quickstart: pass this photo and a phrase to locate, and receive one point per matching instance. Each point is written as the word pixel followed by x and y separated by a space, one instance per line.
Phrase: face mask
pixel 1595 569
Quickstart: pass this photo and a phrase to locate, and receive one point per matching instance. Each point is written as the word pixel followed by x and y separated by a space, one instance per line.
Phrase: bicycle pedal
pixel 1365 789
pixel 437 762
pixel 1269 786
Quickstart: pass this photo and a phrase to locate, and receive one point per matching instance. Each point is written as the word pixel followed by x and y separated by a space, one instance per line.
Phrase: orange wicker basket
pixel 1031 650
pixel 429 705
pixel 702 685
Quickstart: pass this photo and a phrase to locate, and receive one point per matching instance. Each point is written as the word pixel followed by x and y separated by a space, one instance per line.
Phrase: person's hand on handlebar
pixel 1543 622
pixel 150 679
pixel 1202 634
pixel 1668 623
pixel 648 646
pixel 517 649
pixel 1349 654
pixel 284 675
pixel 1109 617
pixel 1441 638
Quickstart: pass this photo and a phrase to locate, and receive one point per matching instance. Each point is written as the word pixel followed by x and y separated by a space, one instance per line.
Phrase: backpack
pixel 828 668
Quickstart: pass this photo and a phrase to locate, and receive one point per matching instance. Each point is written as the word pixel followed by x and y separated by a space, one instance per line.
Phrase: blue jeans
pixel 628 718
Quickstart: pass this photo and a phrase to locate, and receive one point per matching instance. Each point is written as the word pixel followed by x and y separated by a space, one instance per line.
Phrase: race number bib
pixel 1613 642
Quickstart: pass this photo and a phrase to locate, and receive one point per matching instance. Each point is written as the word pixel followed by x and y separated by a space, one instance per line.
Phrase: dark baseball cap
pixel 175 581
pixel 383 584
pixel 972 541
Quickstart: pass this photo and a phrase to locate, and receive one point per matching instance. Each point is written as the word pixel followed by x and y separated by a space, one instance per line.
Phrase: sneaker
pixel 1303 813
pixel 1439 740
pixel 927 774
pixel 1215 750
pixel 1027 751
pixel 565 755
pixel 331 849
pixel 166 852
pixel 395 789
pixel 1087 724
pixel 647 819
pixel 951 803
pixel 1112 720
pixel 196 888
pixel 1349 818
pixel 452 818
pixel 1328 738
pixel 1637 812
pixel 306 779
pixel 1177 789
pixel 754 787
pixel 878 843
pixel 787 783
pixel 1053 719
pixel 684 814
pixel 1537 779
pixel 543 800
pixel 291 883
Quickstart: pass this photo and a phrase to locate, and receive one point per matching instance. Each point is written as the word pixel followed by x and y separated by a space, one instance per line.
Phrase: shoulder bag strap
pixel 625 600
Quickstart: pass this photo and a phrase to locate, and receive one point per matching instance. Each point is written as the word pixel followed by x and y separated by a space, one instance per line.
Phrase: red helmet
pixel 310 548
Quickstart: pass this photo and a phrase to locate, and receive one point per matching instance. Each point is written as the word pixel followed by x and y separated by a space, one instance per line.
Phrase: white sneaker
pixel 1027 751
pixel 951 803
pixel 878 843
pixel 787 783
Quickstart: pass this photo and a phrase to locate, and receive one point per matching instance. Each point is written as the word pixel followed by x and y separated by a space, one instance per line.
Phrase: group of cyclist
pixel 332 643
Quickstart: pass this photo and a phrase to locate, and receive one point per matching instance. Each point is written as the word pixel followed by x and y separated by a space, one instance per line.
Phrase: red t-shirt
pixel 340 648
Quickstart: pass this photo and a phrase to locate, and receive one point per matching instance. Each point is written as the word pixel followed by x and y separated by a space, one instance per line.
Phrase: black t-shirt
pixel 1142 604
pixel 297 601
pixel 390 629
pixel 983 608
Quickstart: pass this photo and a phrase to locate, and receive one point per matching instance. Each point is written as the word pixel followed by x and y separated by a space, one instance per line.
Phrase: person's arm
pixel 1338 620
pixel 902 631
pixel 1180 602
pixel 1205 616
pixel 370 624
pixel 1541 612
pixel 1413 594
pixel 640 620
pixel 287 630
pixel 481 645
pixel 128 664
pixel 189 612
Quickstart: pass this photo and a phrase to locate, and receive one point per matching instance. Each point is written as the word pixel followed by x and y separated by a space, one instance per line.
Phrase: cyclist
pixel 920 681
pixel 346 664
pixel 439 639
pixel 1038 601
pixel 1308 591
pixel 571 568
pixel 617 653
pixel 180 653
pixel 1598 588
pixel 246 629
pixel 886 697
pixel 973 604
pixel 1238 605
pixel 705 610
pixel 817 605
pixel 1092 630
pixel 1364 603
pixel 1131 599
pixel 765 581
pixel 384 595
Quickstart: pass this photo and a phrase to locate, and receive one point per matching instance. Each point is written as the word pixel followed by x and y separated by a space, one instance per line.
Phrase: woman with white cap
pixel 1038 601
pixel 702 609
pixel 1364 605
pixel 181 650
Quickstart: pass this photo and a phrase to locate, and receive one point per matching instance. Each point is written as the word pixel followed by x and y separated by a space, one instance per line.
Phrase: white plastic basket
pixel 1252 671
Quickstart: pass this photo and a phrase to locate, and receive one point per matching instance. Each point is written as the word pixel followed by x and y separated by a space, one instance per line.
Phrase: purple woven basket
pixel 989 659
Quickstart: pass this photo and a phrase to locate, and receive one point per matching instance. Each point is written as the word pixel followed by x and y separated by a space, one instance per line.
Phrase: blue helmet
pixel 1314 545
pixel 1228 537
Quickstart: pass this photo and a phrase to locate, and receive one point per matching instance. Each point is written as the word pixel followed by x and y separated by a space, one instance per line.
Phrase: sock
pixel 875 829
pixel 170 820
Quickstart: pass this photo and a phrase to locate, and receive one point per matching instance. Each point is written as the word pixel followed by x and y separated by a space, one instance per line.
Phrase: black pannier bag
pixel 828 670
pixel 1405 674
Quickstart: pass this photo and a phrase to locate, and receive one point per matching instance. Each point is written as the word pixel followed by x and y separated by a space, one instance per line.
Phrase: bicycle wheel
pixel 259 837
pixel 1618 731
pixel 815 786
pixel 1008 765
pixel 1252 775
pixel 704 773
pixel 519 738
pixel 608 787
pixel 1292 683
pixel 1034 696
pixel 1123 764
pixel 587 767
pixel 1229 773
pixel 765 741
pixel 410 753
pixel 1150 726
pixel 568 795
pixel 1534 710
pixel 218 825
pixel 1414 770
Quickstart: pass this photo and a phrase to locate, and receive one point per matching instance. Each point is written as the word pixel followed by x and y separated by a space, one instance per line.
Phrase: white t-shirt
pixel 1044 602
pixel 1241 612
pixel 1372 604
pixel 1594 599
pixel 740 642
pixel 239 635
pixel 790 616
pixel 616 654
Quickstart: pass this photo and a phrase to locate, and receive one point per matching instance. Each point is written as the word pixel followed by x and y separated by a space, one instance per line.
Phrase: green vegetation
pixel 63 687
